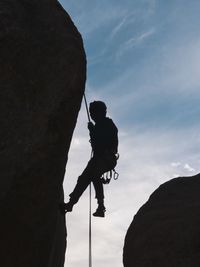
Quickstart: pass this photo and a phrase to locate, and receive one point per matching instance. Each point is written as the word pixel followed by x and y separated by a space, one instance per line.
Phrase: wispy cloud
pixel 134 41
pixel 126 20
pixel 118 27
pixel 96 18
pixel 175 164
pixel 181 168
pixel 189 168
pixel 143 36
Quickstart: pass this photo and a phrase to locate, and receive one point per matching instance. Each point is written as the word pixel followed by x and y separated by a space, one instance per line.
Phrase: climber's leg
pixel 99 191
pixel 100 212
pixel 82 183
pixel 98 187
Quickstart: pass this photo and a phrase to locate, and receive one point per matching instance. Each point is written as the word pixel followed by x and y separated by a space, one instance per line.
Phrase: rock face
pixel 166 230
pixel 42 79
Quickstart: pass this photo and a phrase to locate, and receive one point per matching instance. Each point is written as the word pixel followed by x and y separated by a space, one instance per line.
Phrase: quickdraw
pixel 106 177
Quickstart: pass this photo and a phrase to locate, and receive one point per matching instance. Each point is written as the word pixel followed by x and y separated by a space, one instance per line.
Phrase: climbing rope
pixel 90 197
pixel 86 106
pixel 90 227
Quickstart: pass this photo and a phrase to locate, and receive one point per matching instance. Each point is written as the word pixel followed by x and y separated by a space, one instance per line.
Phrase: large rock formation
pixel 166 230
pixel 42 78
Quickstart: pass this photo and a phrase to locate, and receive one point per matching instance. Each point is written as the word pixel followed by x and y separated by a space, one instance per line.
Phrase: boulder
pixel 42 80
pixel 165 232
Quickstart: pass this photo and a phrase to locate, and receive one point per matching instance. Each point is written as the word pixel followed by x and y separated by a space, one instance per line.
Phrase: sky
pixel 143 61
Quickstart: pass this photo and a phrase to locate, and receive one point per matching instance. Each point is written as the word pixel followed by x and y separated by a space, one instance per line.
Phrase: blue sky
pixel 144 62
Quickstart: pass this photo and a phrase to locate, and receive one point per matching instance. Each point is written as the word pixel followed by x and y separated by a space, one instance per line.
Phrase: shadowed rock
pixel 166 230
pixel 42 78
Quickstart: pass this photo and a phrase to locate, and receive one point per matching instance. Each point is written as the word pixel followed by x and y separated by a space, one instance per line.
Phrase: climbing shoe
pixel 100 212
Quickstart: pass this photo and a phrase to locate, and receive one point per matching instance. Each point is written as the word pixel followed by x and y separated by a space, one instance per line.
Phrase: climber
pixel 104 142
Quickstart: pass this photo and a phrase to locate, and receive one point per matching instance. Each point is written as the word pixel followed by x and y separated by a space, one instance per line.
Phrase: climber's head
pixel 97 110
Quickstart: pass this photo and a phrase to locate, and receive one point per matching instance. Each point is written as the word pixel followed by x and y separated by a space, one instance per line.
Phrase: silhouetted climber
pixel 104 142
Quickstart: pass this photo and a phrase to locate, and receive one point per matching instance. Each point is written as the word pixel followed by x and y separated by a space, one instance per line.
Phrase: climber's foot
pixel 100 212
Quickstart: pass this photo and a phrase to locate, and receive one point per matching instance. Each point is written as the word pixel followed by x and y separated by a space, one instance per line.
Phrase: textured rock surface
pixel 42 78
pixel 166 230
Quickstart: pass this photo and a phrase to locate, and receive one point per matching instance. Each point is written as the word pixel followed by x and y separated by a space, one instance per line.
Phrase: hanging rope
pixel 86 106
pixel 90 197
pixel 90 228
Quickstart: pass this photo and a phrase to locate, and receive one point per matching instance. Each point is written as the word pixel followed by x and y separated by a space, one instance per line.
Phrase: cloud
pixel 182 168
pixel 134 41
pixel 118 27
pixel 189 168
pixel 175 164
pixel 127 20
pixel 96 17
